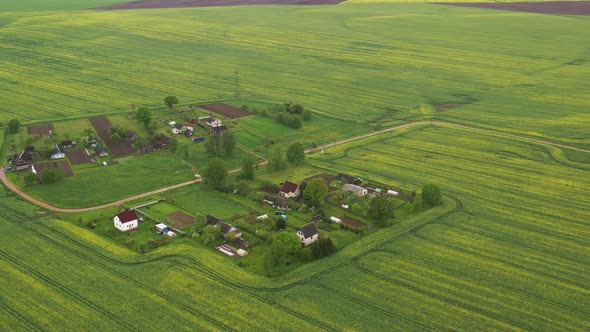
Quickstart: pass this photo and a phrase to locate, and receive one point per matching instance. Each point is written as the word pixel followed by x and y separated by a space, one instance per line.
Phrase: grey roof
pixel 308 230
pixel 353 188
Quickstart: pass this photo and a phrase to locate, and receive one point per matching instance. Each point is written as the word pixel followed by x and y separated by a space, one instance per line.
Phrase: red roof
pixel 127 216
pixel 289 187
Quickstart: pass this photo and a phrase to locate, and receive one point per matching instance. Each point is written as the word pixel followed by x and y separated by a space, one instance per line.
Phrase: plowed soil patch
pixel 41 168
pixel 44 129
pixel 226 110
pixel 352 222
pixel 145 4
pixel 102 126
pixel 181 220
pixel 77 157
pixel 549 7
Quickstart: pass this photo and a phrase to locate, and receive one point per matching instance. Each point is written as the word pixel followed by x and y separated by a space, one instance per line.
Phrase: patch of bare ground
pixel 548 7
pixel 152 4
pixel 102 126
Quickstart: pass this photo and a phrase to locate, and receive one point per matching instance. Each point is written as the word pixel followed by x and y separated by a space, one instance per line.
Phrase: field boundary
pixel 48 206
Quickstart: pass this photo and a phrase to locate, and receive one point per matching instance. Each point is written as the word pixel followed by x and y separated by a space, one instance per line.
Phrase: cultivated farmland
pixel 429 272
pixel 350 62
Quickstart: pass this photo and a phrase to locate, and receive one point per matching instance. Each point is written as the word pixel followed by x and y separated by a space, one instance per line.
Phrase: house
pixel 20 164
pixel 289 190
pixel 281 203
pixel 308 234
pixel 268 199
pixel 177 129
pixel 57 152
pixel 101 152
pixel 226 229
pixel 210 121
pixel 28 154
pixel 91 141
pixel 242 244
pixel 67 144
pixel 355 189
pixel 126 221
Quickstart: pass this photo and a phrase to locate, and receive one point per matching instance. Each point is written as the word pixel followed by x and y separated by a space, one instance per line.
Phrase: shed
pixel 336 220
pixel 161 228
pixel 392 192
pixel 242 252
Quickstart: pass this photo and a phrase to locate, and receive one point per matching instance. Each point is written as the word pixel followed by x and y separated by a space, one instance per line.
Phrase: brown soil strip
pixel 226 110
pixel 181 220
pixel 150 4
pixel 549 7
pixel 352 222
pixel 42 130
pixel 77 157
pixel 53 165
pixel 102 126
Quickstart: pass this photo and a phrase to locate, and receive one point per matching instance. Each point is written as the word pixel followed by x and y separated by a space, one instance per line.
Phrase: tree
pixel 210 234
pixel 275 256
pixel 229 142
pixel 307 114
pixel 380 209
pixel 316 192
pixel 170 101
pixel 213 145
pixel 13 126
pixel 144 116
pixel 289 240
pixel 248 168
pixel 431 195
pixel 216 174
pixel 296 153
pixel 323 247
pixel 141 143
pixel 277 160
pixel 280 224
pixel 243 187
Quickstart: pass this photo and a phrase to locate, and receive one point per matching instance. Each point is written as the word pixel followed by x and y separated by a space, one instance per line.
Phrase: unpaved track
pixel 264 162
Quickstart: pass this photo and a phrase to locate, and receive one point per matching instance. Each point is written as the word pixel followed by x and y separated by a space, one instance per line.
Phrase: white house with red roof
pixel 289 190
pixel 126 221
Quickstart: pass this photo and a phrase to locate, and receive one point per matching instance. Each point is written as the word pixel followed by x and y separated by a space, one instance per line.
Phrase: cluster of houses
pixel 354 185
pixel 213 126
pixel 279 199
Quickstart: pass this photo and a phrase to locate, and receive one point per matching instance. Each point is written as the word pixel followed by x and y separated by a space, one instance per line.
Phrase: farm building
pixel 177 129
pixel 308 234
pixel 289 190
pixel 217 131
pixel 101 152
pixel 226 229
pixel 57 152
pixel 67 144
pixel 210 121
pixel 126 221
pixel 355 189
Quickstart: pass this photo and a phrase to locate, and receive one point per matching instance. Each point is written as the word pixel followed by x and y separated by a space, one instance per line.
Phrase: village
pixel 276 219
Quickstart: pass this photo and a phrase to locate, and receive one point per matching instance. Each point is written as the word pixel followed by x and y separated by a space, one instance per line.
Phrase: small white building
pixel 336 220
pixel 392 192
pixel 242 252
pixel 126 221
pixel 355 189
pixel 308 234
pixel 161 228
pixel 262 217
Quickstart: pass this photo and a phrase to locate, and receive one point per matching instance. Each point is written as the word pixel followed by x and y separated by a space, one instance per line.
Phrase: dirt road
pixel 264 162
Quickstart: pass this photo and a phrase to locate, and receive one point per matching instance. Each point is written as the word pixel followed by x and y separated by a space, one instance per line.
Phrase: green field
pixel 516 72
pixel 507 250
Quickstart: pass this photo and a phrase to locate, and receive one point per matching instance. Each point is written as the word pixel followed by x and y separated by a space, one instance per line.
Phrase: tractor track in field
pixel 493 282
pixel 14 313
pixel 200 268
pixel 502 261
pixel 50 207
pixel 110 270
pixel 32 272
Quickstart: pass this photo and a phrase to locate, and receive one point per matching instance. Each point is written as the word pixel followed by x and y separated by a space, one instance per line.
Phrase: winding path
pixel 50 207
